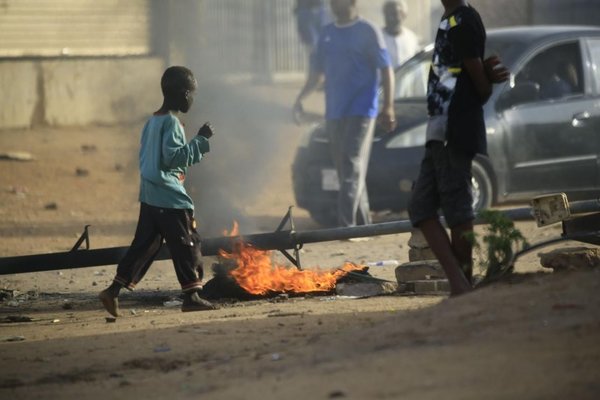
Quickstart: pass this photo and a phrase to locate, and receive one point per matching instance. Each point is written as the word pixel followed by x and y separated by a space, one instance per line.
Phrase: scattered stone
pixel 110 320
pixel 12 339
pixel 82 172
pixel 419 270
pixel 6 294
pixel 16 156
pixel 51 206
pixel 67 305
pixel 55 321
pixel 365 289
pixel 88 148
pixel 94 283
pixel 337 394
pixel 119 167
pixel 572 258
pixel 280 298
pixel 16 318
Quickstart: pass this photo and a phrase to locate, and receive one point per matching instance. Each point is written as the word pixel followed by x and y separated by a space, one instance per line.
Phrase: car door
pixel 552 139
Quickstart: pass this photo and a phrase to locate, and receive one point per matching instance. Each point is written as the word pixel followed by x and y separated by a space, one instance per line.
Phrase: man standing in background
pixel 311 16
pixel 351 55
pixel 401 42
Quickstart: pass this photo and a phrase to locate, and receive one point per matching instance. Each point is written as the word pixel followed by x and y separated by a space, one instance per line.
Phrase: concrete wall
pixel 78 91
pixel 19 93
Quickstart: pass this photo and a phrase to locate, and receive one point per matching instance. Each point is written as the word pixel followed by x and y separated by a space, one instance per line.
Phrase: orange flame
pixel 257 275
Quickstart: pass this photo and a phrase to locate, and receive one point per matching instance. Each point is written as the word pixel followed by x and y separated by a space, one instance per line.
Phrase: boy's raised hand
pixel 206 130
pixel 495 72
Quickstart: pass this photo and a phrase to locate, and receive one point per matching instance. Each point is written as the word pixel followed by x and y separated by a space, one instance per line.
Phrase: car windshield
pixel 411 77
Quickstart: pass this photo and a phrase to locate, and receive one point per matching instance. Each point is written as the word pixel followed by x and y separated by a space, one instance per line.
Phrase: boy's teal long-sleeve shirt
pixel 164 159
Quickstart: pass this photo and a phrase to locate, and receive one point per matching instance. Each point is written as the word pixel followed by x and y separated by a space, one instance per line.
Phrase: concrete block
pixel 420 254
pixel 417 240
pixel 419 270
pixel 366 289
pixel 100 91
pixel 429 286
pixel 19 83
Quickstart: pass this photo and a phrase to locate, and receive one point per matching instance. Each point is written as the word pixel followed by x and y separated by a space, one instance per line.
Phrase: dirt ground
pixel 534 337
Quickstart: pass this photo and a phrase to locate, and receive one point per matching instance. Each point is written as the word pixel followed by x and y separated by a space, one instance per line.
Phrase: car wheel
pixel 327 218
pixel 483 190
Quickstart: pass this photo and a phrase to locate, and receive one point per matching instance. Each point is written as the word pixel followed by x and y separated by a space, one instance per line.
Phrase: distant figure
pixel 166 210
pixel 560 83
pixel 401 42
pixel 460 83
pixel 311 17
pixel 351 55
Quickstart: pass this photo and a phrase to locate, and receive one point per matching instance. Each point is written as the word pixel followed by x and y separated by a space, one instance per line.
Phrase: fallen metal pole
pixel 281 240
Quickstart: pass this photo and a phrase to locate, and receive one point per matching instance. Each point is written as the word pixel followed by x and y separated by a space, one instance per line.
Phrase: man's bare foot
pixel 193 302
pixel 109 302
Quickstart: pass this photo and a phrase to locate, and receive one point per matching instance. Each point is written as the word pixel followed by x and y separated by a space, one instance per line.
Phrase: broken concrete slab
pixel 419 270
pixel 571 258
pixel 366 289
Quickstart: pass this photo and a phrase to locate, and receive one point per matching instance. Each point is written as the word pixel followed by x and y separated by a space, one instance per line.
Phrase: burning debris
pixel 249 273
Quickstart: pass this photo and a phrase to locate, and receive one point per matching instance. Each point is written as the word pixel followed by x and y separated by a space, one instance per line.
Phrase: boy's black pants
pixel 177 228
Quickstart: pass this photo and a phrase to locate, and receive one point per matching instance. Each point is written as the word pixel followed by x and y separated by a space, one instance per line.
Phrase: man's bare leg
pixel 439 242
pixel 110 298
pixel 463 248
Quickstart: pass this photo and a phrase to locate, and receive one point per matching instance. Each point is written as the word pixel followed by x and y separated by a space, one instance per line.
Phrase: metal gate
pixel 256 37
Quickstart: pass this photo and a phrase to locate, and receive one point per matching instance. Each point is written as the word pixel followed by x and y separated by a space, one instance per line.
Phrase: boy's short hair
pixel 177 79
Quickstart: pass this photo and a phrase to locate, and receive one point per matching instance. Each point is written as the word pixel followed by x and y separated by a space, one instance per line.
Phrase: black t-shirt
pixel 451 92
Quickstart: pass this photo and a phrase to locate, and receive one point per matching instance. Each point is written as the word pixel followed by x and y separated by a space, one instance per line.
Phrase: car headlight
pixel 414 137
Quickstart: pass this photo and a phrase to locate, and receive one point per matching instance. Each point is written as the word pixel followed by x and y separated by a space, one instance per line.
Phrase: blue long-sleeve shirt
pixel 164 159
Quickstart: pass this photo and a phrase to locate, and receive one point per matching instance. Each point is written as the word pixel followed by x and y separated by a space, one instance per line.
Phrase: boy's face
pixel 186 97
pixel 186 100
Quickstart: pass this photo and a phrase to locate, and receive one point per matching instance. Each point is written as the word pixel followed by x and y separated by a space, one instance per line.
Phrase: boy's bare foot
pixel 193 302
pixel 109 302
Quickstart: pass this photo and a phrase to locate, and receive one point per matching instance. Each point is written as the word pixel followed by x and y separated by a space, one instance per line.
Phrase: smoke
pixel 250 155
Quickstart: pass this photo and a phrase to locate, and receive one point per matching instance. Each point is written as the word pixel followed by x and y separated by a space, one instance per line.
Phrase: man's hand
pixel 206 130
pixel 298 112
pixel 494 72
pixel 387 119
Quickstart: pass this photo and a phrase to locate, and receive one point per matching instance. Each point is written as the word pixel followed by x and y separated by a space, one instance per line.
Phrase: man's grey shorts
pixel 444 182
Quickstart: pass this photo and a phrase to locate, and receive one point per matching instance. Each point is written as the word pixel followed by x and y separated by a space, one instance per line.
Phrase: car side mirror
pixel 522 92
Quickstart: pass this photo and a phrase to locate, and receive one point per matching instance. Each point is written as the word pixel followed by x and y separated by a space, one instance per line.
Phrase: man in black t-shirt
pixel 460 82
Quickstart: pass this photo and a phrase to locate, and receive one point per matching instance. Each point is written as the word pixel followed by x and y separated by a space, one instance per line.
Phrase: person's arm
pixel 387 118
pixel 484 74
pixel 176 153
pixel 313 80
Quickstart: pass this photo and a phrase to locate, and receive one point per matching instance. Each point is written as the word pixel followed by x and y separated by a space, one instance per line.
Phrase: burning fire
pixel 256 273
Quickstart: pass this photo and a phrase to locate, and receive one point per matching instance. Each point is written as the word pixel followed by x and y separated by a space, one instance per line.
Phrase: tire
pixel 327 218
pixel 483 188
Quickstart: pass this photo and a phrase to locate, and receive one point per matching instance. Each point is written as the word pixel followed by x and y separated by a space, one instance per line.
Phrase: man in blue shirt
pixel 351 55
pixel 166 210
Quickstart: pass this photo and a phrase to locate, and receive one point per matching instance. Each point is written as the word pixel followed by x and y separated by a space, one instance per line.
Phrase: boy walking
pixel 460 83
pixel 166 210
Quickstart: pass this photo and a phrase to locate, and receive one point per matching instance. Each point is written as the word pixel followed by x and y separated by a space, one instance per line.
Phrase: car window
pixel 594 46
pixel 556 72
pixel 411 77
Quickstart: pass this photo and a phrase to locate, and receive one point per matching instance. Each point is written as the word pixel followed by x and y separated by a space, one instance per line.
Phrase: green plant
pixel 501 240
